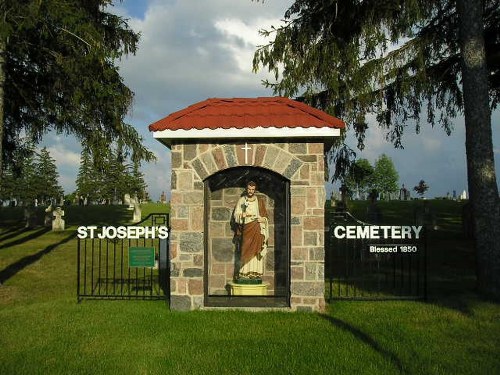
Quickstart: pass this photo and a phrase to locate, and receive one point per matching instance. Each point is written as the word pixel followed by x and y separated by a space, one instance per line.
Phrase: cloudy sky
pixel 191 50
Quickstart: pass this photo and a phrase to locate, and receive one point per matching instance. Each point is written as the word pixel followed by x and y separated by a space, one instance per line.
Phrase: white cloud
pixel 64 156
pixel 242 38
pixel 191 50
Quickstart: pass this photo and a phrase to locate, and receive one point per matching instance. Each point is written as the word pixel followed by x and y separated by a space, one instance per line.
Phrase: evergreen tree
pixel 359 177
pixel 137 184
pixel 19 181
pixel 115 177
pixel 46 178
pixel 27 181
pixel 7 186
pixel 478 76
pixel 385 177
pixel 32 177
pixel 392 59
pixel 109 181
pixel 58 72
pixel 396 59
pixel 86 178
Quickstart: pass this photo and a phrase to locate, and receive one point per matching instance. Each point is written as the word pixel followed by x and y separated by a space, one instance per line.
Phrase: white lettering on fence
pixel 377 232
pixel 122 232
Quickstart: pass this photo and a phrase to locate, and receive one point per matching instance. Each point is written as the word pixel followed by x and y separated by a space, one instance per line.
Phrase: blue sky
pixel 191 50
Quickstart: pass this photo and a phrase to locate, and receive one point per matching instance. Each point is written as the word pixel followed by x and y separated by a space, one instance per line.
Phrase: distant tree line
pixel 363 179
pixel 33 180
pixel 109 181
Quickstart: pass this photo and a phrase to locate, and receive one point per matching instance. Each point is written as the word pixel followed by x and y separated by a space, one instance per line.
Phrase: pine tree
pixel 138 185
pixel 86 178
pixel 26 181
pixel 360 176
pixel 111 180
pixel 7 186
pixel 58 71
pixel 46 179
pixel 397 60
pixel 17 181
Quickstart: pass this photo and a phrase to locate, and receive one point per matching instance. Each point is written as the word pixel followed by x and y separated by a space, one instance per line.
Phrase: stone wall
pixel 301 163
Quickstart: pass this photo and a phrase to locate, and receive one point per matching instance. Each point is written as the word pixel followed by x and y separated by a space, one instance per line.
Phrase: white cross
pixel 246 148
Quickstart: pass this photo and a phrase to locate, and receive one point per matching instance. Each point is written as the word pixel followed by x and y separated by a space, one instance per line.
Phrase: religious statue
pixel 252 233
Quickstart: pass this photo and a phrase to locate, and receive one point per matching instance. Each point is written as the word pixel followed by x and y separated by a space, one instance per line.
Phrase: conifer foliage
pixel 35 179
pixel 398 61
pixel 58 72
pixel 110 181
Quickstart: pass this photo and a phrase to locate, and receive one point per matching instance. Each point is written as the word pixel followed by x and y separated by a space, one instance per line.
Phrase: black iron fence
pixel 374 268
pixel 124 262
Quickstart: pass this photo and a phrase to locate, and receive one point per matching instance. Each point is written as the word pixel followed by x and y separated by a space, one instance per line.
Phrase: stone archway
pixel 226 156
pixel 222 191
pixel 193 163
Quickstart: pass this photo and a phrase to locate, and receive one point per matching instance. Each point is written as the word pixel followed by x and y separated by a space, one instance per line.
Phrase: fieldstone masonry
pixel 301 163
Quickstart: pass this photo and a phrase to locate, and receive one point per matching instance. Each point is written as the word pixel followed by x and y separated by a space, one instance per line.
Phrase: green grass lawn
pixel 43 330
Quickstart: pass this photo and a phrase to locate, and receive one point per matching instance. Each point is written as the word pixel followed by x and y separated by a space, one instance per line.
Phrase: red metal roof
pixel 241 113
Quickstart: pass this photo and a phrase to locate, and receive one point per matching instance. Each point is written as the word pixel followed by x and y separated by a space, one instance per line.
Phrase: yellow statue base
pixel 248 289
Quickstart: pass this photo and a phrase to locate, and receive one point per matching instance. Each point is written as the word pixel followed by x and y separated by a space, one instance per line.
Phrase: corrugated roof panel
pixel 220 113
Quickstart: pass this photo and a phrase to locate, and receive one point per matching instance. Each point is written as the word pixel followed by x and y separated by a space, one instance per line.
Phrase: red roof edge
pixel 172 120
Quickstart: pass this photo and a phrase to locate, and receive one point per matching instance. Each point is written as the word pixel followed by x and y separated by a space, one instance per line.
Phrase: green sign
pixel 141 257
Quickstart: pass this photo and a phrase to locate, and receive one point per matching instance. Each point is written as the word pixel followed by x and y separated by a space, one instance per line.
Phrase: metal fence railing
pixel 134 267
pixel 368 268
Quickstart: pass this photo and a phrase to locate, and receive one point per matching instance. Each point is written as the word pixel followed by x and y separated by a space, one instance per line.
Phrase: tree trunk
pixel 483 189
pixel 2 84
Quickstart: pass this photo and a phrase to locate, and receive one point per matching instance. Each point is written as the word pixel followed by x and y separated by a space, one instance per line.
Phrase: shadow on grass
pixel 366 339
pixel 29 237
pixel 22 263
pixel 97 215
pixel 458 301
pixel 12 231
pixel 74 215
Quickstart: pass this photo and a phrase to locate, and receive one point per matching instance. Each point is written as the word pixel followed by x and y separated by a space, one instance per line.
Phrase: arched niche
pixel 222 191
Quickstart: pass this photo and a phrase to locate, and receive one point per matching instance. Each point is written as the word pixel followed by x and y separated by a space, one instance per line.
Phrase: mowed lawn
pixel 43 330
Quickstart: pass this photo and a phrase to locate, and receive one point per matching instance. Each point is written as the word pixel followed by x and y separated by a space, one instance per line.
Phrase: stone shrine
pixel 217 146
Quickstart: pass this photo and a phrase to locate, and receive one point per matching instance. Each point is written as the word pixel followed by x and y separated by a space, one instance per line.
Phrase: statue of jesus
pixel 253 230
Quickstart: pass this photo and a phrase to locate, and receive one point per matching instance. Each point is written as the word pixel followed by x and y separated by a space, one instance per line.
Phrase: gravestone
pixel 463 196
pixel 47 222
pixel 127 201
pixel 404 193
pixel 163 197
pixel 137 213
pixel 58 222
pixel 342 204
pixel 30 217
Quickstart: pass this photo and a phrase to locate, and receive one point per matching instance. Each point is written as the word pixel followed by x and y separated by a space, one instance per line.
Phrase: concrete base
pixel 248 289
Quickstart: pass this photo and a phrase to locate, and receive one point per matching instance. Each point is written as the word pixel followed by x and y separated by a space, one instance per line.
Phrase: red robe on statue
pixel 253 240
